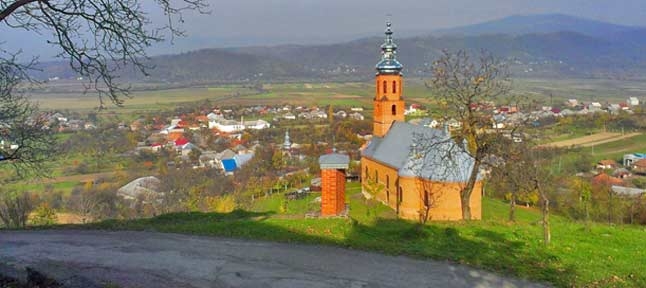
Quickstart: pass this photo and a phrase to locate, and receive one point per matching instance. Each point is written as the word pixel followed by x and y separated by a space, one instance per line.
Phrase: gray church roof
pixel 419 151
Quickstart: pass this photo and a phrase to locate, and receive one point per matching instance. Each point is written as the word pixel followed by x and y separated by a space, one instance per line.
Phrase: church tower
pixel 388 103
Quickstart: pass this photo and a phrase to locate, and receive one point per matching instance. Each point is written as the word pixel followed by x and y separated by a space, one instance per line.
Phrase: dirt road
pixel 144 259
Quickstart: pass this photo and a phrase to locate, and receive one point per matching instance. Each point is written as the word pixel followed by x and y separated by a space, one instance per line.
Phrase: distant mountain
pixel 535 46
pixel 543 23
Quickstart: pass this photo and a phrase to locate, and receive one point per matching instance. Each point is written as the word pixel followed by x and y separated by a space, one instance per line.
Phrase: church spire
pixel 389 63
pixel 287 144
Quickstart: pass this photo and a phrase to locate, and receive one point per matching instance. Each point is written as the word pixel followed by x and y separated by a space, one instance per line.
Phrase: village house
pixel 607 164
pixel 639 167
pixel 633 101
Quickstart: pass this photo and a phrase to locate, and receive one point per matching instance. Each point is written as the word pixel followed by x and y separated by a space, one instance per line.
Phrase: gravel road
pixel 146 259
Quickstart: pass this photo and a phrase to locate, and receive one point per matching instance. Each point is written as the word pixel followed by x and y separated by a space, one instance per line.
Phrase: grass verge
pixel 593 256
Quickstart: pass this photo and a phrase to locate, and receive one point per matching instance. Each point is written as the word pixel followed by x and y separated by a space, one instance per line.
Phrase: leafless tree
pixel 84 203
pixel 430 194
pixel 26 140
pixel 99 37
pixel 15 209
pixel 465 88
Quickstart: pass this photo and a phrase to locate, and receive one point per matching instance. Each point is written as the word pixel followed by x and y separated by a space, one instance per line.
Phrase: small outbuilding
pixel 333 167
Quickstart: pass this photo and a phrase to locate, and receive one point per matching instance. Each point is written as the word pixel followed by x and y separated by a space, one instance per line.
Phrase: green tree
pixel 44 215
pixel 278 160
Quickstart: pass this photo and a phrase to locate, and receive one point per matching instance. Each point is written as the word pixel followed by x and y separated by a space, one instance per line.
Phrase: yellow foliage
pixel 88 185
pixel 222 204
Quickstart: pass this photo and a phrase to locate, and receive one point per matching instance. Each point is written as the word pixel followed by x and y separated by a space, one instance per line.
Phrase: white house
pixel 256 124
pixel 632 101
pixel 230 126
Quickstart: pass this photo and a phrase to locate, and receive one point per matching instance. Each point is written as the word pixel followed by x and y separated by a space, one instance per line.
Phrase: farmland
pixel 148 98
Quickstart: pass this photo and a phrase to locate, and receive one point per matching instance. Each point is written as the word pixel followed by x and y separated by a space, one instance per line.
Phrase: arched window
pixel 367 175
pixel 385 88
pixel 388 188
pixel 394 87
pixel 426 198
pixel 394 110
pixel 376 176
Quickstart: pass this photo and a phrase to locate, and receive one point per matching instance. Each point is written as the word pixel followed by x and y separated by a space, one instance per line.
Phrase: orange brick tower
pixel 333 168
pixel 388 102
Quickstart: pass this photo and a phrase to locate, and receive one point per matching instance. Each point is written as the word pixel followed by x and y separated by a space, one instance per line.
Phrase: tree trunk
pixel 610 208
pixel 547 235
pixel 512 208
pixel 465 194
pixel 587 216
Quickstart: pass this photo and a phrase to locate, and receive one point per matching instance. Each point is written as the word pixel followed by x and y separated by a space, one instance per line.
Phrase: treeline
pixel 573 193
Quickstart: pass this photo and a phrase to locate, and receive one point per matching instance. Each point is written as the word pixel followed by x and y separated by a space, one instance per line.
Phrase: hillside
pixel 549 46
pixel 596 256
pixel 541 23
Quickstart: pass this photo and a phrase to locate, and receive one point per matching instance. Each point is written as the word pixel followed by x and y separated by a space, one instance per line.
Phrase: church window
pixel 394 87
pixel 426 198
pixel 387 188
pixel 385 86
pixel 376 176
pixel 394 110
pixel 367 173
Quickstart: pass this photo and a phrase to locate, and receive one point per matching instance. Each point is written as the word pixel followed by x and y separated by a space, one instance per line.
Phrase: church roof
pixel 419 151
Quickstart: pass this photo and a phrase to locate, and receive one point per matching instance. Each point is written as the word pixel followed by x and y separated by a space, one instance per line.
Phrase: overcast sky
pixel 253 22
pixel 268 22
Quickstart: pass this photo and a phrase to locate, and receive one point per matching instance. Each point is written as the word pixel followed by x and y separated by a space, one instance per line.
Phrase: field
pixel 615 150
pixel 147 97
pixel 593 140
pixel 599 256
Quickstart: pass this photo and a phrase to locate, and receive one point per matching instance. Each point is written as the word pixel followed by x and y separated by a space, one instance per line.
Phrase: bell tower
pixel 388 102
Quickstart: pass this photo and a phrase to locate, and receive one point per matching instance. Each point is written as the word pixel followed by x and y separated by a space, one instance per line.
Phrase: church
pixel 416 170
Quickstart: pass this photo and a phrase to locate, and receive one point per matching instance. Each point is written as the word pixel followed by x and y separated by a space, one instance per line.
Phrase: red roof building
pixel 181 141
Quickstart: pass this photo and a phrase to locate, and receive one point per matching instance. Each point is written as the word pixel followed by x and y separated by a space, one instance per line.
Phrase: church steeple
pixel 389 63
pixel 388 102
pixel 287 144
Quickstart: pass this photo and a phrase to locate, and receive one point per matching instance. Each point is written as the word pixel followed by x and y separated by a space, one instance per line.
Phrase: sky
pixel 270 22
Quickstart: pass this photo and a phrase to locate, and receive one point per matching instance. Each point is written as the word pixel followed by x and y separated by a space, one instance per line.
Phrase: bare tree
pixel 435 158
pixel 536 176
pixel 15 209
pixel 26 140
pixel 99 37
pixel 466 88
pixel 430 194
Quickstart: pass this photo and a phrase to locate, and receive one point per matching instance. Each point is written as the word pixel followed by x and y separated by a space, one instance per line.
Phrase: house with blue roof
pixel 417 170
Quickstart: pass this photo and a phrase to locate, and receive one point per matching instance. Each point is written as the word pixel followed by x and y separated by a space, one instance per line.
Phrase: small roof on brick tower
pixel 334 161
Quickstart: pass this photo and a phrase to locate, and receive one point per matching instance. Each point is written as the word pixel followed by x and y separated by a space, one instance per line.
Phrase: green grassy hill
pixel 600 256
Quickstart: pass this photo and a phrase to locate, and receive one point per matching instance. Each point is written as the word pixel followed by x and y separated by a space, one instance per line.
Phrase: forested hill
pixel 582 49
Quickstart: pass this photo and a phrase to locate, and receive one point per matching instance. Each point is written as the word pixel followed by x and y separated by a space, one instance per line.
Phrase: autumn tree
pixel 465 88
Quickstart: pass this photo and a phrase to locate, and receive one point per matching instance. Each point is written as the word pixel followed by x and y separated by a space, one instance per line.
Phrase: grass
pixel 149 98
pixel 603 256
pixel 617 149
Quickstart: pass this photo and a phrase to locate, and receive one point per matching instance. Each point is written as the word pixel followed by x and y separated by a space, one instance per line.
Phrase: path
pixel 146 259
